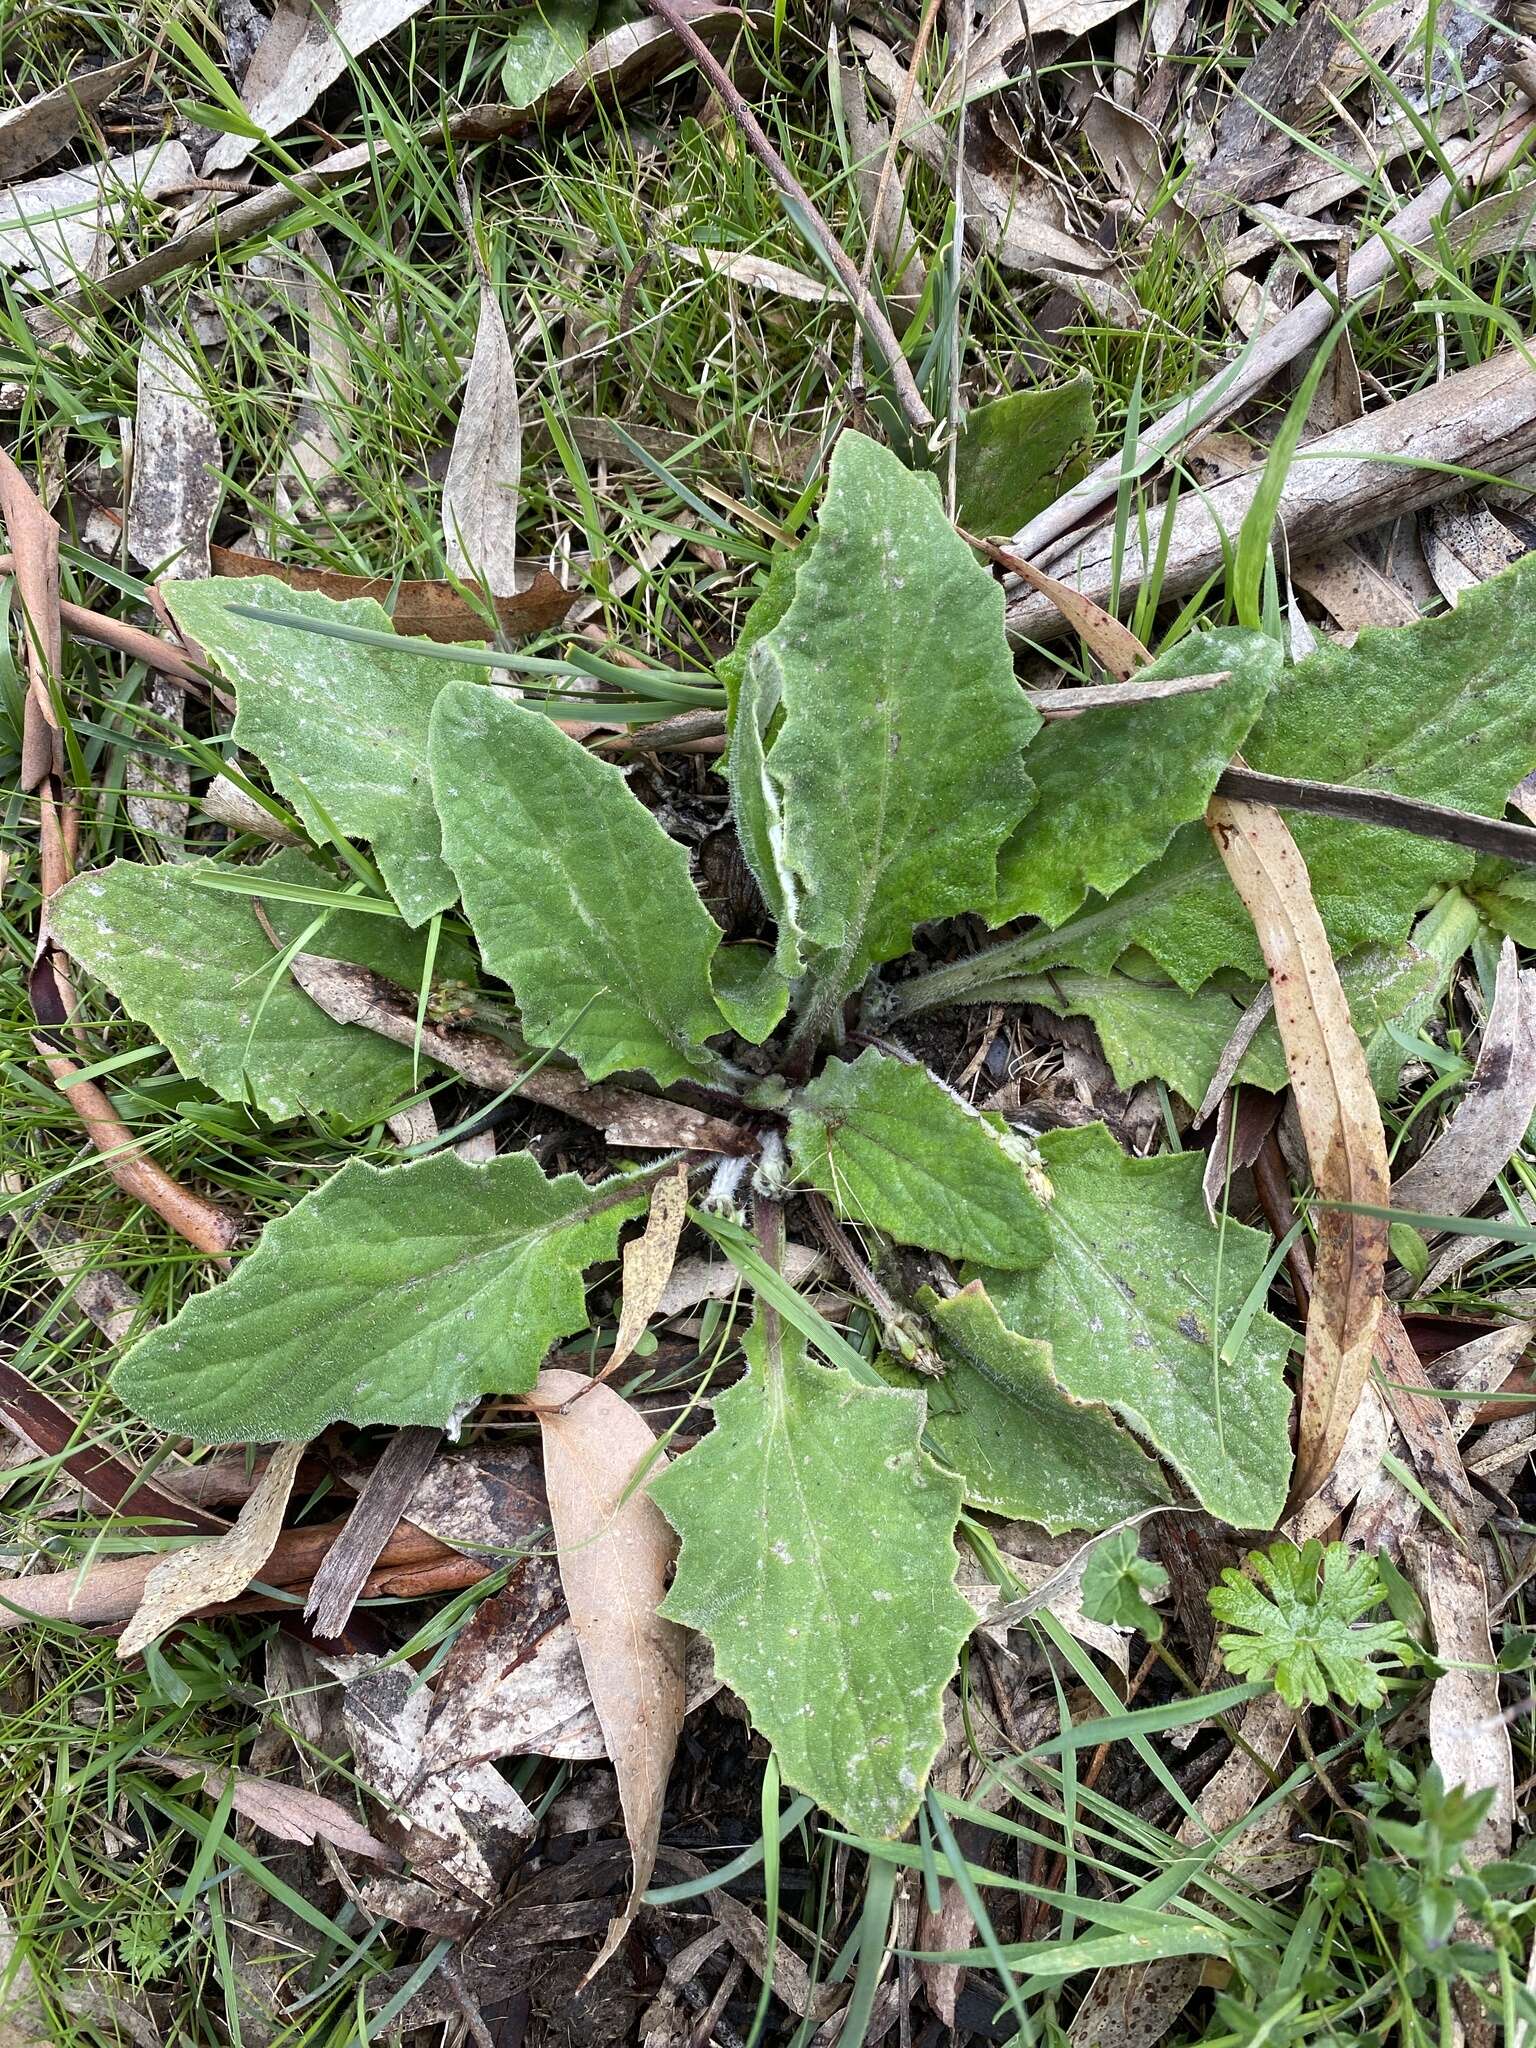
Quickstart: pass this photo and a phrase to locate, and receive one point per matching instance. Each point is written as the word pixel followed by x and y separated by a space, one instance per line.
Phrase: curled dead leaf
pixel 431 610
pixel 648 1262
pixel 207 1572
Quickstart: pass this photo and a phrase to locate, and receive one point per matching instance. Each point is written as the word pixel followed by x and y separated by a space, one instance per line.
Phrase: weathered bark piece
pixel 386 1493
pixel 1475 163
pixel 1356 477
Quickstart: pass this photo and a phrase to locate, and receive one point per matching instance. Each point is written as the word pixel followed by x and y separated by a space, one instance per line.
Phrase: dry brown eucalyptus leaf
pixel 32 133
pixel 616 1550
pixel 304 50
pixel 1340 1119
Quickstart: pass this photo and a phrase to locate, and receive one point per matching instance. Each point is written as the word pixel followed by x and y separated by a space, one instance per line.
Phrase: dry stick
pixel 130 640
pixel 202 1223
pixel 1497 836
pixel 1413 453
pixel 350 994
pixel 111 1591
pixel 387 1490
pixel 860 297
pixel 34 536
pixel 1300 329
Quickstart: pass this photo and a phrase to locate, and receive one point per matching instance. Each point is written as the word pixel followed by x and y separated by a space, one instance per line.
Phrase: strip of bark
pixel 337 1585
pixel 1476 164
pixel 1482 419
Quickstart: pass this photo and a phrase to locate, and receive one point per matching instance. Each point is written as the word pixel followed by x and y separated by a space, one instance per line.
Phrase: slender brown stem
pixel 202 1223
pixel 860 297
pixel 1497 836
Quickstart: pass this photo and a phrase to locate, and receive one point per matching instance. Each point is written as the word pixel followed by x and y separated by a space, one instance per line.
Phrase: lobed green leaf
pixel 818 1557
pixel 889 1145
pixel 1022 1444
pixel 1137 1298
pixel 385 1296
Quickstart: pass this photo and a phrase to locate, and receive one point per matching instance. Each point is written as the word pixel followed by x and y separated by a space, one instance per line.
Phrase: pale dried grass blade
pixel 616 1550
pixel 1459 1168
pixel 485 465
pixel 1340 1120
pixel 205 1573
pixel 648 1263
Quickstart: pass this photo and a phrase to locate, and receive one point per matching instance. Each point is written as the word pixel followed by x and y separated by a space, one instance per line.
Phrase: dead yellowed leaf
pixel 204 1573
pixel 648 1262
pixel 1100 631
pixel 485 464
pixel 616 1549
pixel 1340 1121
pixel 433 610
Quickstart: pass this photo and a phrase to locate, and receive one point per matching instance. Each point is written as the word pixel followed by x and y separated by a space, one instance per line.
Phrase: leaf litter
pixel 1116 1327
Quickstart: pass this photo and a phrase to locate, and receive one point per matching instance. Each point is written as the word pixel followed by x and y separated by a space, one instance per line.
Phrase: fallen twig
pixel 110 1592
pixel 1495 836
pixel 201 1222
pixel 356 995
pixel 1405 456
